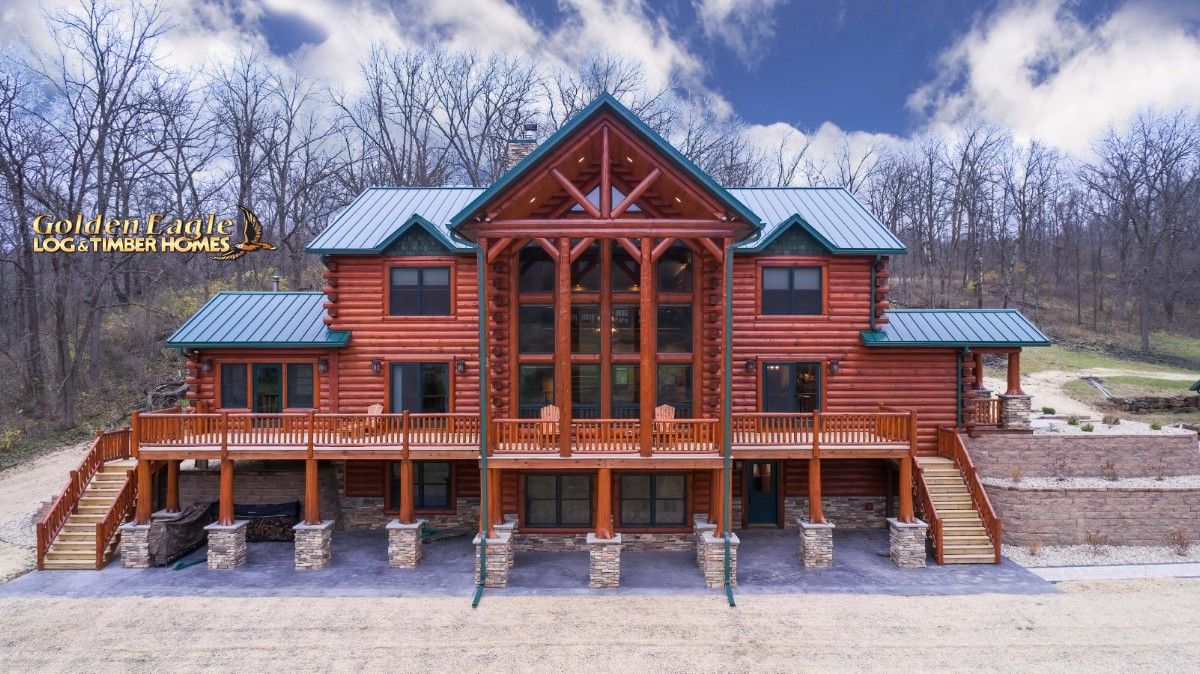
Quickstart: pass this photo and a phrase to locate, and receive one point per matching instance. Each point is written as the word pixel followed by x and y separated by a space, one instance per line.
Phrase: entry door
pixel 268 388
pixel 762 505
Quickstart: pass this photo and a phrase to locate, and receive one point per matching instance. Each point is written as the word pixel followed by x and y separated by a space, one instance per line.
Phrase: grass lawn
pixel 1129 386
pixel 1039 359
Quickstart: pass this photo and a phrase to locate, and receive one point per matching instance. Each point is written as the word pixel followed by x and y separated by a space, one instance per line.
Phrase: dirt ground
pixel 23 489
pixel 1046 387
pixel 1146 625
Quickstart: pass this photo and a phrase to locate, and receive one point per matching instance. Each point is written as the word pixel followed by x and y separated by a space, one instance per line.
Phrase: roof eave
pixel 797 219
pixel 869 339
pixel 341 339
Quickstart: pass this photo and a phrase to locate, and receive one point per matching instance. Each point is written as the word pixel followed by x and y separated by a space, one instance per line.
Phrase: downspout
pixel 874 282
pixel 481 261
pixel 727 419
pixel 958 396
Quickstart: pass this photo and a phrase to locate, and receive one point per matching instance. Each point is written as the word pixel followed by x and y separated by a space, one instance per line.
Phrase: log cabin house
pixel 604 349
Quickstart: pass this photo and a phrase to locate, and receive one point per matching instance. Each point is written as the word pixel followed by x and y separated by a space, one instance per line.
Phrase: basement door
pixel 762 493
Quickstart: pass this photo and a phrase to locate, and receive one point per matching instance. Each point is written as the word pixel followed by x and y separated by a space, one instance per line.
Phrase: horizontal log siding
pixel 205 389
pixel 919 379
pixel 360 307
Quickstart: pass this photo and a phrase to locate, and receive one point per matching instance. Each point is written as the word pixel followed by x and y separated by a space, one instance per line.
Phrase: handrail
pixel 117 513
pixel 930 511
pixel 984 411
pixel 954 449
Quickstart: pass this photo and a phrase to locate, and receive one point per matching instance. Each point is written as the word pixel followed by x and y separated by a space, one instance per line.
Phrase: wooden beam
pixel 562 346
pixel 581 246
pixel 172 505
pixel 498 248
pixel 225 497
pixel 496 492
pixel 712 248
pixel 633 222
pixel 605 175
pixel 610 229
pixel 578 196
pixel 547 246
pixel 978 369
pixel 630 248
pixel 605 329
pixel 816 514
pixel 312 493
pixel 718 500
pixel 1014 374
pixel 647 314
pixel 407 492
pixel 636 193
pixel 906 489
pixel 715 489
pixel 661 248
pixel 604 525
pixel 145 500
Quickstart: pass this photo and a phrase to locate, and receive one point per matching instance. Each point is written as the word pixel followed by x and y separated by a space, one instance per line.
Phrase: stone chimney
pixel 518 148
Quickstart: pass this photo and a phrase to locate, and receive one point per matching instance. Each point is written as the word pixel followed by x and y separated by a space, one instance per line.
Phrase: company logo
pixel 153 234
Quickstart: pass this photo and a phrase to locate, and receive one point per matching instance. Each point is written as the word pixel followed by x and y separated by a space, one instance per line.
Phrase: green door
pixel 762 505
pixel 268 388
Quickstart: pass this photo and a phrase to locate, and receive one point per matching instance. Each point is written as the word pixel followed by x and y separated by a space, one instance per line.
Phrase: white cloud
pixel 1038 70
pixel 745 26
pixel 820 149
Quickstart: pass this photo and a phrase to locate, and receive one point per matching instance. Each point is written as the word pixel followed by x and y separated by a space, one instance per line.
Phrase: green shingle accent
pixel 795 241
pixel 415 242
pixel 259 319
pixel 956 328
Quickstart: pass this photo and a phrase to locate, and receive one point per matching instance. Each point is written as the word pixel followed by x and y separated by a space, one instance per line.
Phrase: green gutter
pixel 874 270
pixel 481 261
pixel 727 419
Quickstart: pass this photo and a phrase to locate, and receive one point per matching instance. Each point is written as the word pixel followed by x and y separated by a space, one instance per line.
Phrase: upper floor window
pixel 535 270
pixel 675 269
pixel 420 387
pixel 419 291
pixel 585 270
pixel 791 387
pixel 791 290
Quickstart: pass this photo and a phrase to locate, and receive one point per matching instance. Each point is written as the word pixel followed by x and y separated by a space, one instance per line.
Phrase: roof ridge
pixel 429 187
pixel 269 292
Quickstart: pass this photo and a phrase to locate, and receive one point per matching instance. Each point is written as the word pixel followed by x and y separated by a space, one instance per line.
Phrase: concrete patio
pixel 768 564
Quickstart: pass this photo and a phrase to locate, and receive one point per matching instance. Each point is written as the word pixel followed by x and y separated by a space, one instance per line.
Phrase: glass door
pixel 762 493
pixel 268 388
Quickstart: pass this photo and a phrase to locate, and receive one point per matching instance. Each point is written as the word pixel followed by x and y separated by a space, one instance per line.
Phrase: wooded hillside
pixel 1109 243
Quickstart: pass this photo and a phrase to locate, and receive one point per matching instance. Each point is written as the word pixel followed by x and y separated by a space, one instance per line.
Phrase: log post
pixel 172 505
pixel 978 368
pixel 562 346
pixel 715 489
pixel 646 376
pixel 496 493
pixel 906 490
pixel 312 499
pixel 225 502
pixel 718 496
pixel 407 495
pixel 816 514
pixel 604 527
pixel 1014 374
pixel 144 497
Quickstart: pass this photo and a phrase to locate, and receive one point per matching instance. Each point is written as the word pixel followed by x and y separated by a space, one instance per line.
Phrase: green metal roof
pixel 1195 387
pixel 263 319
pixel 832 215
pixel 607 101
pixel 956 328
pixel 380 215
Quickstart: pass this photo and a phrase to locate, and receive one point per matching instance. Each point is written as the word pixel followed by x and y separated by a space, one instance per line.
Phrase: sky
pixel 1060 71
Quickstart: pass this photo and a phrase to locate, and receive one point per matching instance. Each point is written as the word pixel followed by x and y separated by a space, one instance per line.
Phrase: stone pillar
pixel 499 560
pixel 605 561
pixel 816 544
pixel 135 546
pixel 701 526
pixel 1014 412
pixel 712 559
pixel 226 545
pixel 404 544
pixel 508 528
pixel 907 543
pixel 313 543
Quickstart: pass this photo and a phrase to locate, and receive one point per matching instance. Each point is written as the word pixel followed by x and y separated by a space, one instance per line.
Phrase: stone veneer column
pixel 701 526
pixel 313 544
pixel 604 556
pixel 507 529
pixel 1014 412
pixel 499 560
pixel 135 546
pixel 712 559
pixel 404 544
pixel 907 543
pixel 226 545
pixel 816 544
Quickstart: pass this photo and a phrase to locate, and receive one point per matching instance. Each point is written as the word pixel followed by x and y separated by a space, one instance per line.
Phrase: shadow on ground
pixel 767 563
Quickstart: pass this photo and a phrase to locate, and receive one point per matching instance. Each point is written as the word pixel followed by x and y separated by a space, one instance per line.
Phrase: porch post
pixel 1014 374
pixel 562 346
pixel 647 316
pixel 407 507
pixel 173 486
pixel 714 497
pixel 815 513
pixel 144 497
pixel 718 502
pixel 604 527
pixel 906 490
pixel 978 369
pixel 225 509
pixel 496 491
pixel 312 503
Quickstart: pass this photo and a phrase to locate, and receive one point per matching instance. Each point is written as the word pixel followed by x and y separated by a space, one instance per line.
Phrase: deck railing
pixel 984 411
pixel 117 513
pixel 840 430
pixel 612 436
pixel 950 445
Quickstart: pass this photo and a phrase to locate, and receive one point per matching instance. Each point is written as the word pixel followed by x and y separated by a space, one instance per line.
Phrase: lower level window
pixel 431 485
pixel 653 500
pixel 558 500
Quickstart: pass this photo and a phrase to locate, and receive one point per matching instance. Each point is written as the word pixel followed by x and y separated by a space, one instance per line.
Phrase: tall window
pixel 653 500
pixel 626 327
pixel 536 389
pixel 420 387
pixel 675 328
pixel 536 328
pixel 535 270
pixel 431 485
pixel 300 384
pixel 233 385
pixel 419 291
pixel 558 500
pixel 791 290
pixel 626 276
pixel 585 328
pixel 585 271
pixel 675 269
pixel 268 388
pixel 791 387
pixel 625 391
pixel 585 391
pixel 675 388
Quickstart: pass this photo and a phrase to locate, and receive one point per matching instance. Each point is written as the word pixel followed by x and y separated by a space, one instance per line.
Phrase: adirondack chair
pixel 374 414
pixel 663 416
pixel 549 429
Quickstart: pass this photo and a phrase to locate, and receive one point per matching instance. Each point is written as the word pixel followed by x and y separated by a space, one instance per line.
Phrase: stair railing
pixel 108 446
pixel 950 445
pixel 925 500
pixel 117 513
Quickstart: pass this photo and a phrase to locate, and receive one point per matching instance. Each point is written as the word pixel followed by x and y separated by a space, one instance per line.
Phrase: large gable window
pixel 791 291
pixel 419 291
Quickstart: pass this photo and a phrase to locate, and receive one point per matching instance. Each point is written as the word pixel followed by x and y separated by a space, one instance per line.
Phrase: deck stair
pixel 964 538
pixel 75 546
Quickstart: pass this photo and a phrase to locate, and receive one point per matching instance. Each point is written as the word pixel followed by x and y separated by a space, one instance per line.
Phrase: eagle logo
pixel 252 233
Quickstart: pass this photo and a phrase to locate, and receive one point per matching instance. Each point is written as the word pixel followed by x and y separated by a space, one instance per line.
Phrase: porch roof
pixel 259 319
pixel 956 328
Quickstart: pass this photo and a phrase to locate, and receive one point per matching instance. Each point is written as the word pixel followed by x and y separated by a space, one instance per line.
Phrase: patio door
pixel 268 388
pixel 762 492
